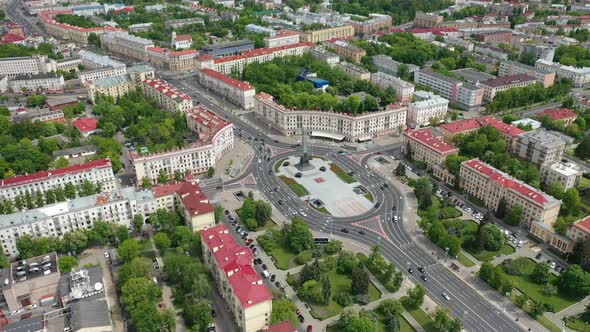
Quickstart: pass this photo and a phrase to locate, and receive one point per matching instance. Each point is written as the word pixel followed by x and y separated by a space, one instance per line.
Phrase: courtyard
pixel 327 189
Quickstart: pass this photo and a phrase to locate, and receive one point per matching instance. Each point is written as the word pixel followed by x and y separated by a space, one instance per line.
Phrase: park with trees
pixel 256 214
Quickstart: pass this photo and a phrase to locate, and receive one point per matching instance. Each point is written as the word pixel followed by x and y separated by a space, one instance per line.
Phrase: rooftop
pixel 75 150
pixel 565 169
pixel 90 313
pixel 166 89
pixel 508 80
pixel 217 46
pixel 228 80
pixel 85 125
pixel 193 199
pixel 577 70
pixel 236 262
pixel 558 114
pixel 508 182
pixel 500 125
pixel 473 75
pixel 44 175
pixel 426 137
pixel 109 81
pixel 37 77
pixel 284 326
pixel 583 224
pixel 461 126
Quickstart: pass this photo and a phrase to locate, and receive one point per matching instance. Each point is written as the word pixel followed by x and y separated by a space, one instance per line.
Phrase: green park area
pixel 342 175
pixel 298 189
pixel 380 326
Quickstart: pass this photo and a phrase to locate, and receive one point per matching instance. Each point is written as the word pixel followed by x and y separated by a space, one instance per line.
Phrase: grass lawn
pixel 578 322
pixel 405 326
pixel 422 318
pixel 486 255
pixel 464 260
pixel 369 196
pixel 279 164
pixel 341 173
pixel 549 325
pixel 284 258
pixel 298 189
pixel 146 245
pixel 268 225
pixel 584 182
pixel 340 283
pixel 535 291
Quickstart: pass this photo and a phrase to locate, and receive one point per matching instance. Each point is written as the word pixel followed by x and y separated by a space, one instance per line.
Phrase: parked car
pixel 539 255
pixel 446 296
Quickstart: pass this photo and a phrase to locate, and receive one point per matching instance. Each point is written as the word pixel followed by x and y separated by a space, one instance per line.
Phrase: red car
pixel 298 312
pixel 309 328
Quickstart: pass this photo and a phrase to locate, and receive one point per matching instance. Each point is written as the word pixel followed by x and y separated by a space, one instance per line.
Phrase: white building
pixel 39 82
pixel 430 106
pixel 465 95
pixel 389 66
pixel 91 60
pixel 253 28
pixel 545 77
pixel 330 124
pixel 238 92
pixel 34 65
pixel 215 137
pixel 181 41
pixel 167 96
pixel 404 90
pixel 328 57
pixel 568 174
pixel 579 76
pixel 57 219
pixel 98 172
pixel 96 74
pixel 126 45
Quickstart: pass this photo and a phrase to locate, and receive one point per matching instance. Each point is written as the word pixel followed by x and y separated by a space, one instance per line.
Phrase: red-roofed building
pixel 66 31
pixel 507 132
pixel 172 60
pixel 561 114
pixel 284 326
pixel 490 185
pixel 246 295
pixel 427 148
pixel 182 41
pixel 167 96
pixel 12 39
pixel 187 198
pixel 98 172
pixel 282 38
pixel 215 138
pixel 86 126
pixel 449 130
pixel 238 92
pixel 502 83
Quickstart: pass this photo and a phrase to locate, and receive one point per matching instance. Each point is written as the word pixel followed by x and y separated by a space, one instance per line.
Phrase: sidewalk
pixel 577 308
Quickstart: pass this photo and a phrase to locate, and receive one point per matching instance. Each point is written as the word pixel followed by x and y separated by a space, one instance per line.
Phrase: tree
pixel 121 233
pixel 416 296
pixel 75 241
pixel 360 280
pixel 129 249
pixel 310 271
pixel 87 189
pixel 541 273
pixel 453 163
pixel 442 320
pixel 326 290
pixel 162 241
pixel 218 213
pixel 400 170
pixel 198 315
pixel 67 263
pixel 423 190
pixel 514 216
pixel 283 310
pixel 162 176
pixel 248 209
pixel 333 247
pixel 137 222
pixel 574 282
pixel 94 40
pixel 311 290
pixel 25 246
pixel 493 238
pixel 263 212
pixel 38 199
pixel 392 323
pixel 146 183
pixel 70 190
pixel 347 261
pixel 139 290
pixel 299 236
pixel 555 189
pixel 390 307
pixel 501 210
pixel 210 172
pixel 571 201
pixel 582 151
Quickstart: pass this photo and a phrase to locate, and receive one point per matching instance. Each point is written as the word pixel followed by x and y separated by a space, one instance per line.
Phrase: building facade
pixel 429 106
pixel 567 174
pixel 167 96
pixel 34 65
pixel 215 137
pixel 389 66
pixel 404 90
pixel 491 186
pixel 354 71
pixel 502 83
pixel 247 298
pixel 508 68
pixel 424 146
pixel 316 36
pixel 465 95
pixel 346 50
pixel 579 76
pixel 374 23
pixel 427 20
pixel 238 92
pixel 40 82
pixel 126 45
pixel 561 114
pixel 282 38
pixel 539 147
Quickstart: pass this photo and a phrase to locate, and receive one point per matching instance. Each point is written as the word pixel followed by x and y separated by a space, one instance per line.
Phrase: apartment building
pixel 70 32
pixel 33 65
pixel 541 51
pixel 37 114
pixel 490 185
pixel 140 27
pixel 403 90
pixel 539 147
pixel 389 66
pixel 502 83
pixel 236 63
pixel 494 52
pixel 181 41
pixel 179 23
pixel 127 45
pixel 281 38
pixel 568 174
pixel 561 114
pixel 215 137
pixel 374 23
pixel 237 92
pixel 494 37
pixel 466 95
pixel 354 71
pixel 92 61
pixel 172 60
pixel 188 199
pixel 579 231
pixel 98 172
pixel 91 75
pixel 228 48
pixel 346 50
pixel 39 82
pixel 427 20
pixel 427 148
pixel 57 219
pixel 317 36
pixel 427 107
pixel 167 96
pixel 254 28
pixel 120 85
pixel 579 76
pixel 507 132
pixel 326 56
pixel 247 298
pixel 509 68
pixel 330 124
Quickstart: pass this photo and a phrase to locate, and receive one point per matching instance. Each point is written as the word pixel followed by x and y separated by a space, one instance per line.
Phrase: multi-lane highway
pixel 396 243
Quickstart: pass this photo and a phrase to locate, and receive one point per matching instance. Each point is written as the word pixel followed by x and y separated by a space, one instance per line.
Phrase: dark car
pixel 264 267
pixel 301 319
pixel 213 314
pixel 538 256
pixel 323 168
pixel 422 270
pixel 362 232
pixel 226 212
pixel 386 185
pixel 280 202
pixel 423 277
pixel 298 174
pixel 410 271
pixel 273 278
pixel 345 230
pixel 377 205
pixel 278 284
pixel 252 246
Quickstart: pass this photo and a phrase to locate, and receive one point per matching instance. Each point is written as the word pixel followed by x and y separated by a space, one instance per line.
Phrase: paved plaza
pixel 338 196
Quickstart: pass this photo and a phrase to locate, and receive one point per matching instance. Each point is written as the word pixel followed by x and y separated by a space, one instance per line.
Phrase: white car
pixel 446 297
pixel 552 265
pixel 106 255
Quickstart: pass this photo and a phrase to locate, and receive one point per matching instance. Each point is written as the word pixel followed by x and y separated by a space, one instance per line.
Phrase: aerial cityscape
pixel 294 166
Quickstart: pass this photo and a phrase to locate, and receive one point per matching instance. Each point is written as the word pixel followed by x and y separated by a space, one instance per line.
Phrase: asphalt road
pixel 474 311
